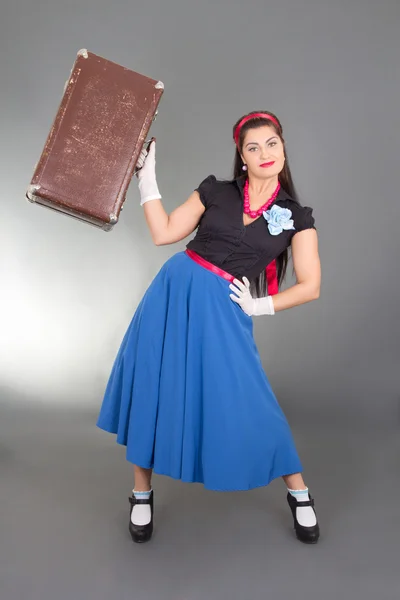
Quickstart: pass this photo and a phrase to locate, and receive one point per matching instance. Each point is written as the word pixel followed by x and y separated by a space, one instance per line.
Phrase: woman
pixel 187 394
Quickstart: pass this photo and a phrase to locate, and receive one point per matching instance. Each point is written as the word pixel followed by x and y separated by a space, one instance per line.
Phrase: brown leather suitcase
pixel 95 141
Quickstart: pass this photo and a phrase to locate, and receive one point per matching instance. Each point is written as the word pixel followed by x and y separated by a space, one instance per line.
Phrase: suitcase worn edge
pixel 68 212
pixel 55 126
pixel 159 85
pixel 36 194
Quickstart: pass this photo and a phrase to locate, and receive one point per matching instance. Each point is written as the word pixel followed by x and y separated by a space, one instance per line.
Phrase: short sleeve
pixel 205 189
pixel 303 218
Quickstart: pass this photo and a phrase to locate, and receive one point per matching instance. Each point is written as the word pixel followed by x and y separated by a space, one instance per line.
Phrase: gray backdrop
pixel 330 70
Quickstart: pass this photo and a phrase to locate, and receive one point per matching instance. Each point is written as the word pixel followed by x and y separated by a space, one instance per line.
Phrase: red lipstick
pixel 268 164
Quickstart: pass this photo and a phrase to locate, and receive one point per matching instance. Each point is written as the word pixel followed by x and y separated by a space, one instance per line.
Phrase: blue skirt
pixel 188 395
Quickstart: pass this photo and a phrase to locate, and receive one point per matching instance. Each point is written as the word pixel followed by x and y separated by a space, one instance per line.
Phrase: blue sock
pixel 141 495
pixel 300 495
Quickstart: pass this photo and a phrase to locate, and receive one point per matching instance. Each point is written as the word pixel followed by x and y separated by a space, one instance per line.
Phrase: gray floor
pixel 64 514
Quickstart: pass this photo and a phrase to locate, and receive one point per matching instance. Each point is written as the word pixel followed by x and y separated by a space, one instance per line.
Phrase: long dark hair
pixel 258 286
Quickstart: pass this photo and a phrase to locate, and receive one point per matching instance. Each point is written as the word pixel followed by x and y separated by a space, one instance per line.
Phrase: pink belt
pixel 270 271
pixel 207 265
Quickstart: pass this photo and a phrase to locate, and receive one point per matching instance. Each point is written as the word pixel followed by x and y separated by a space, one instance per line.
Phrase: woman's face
pixel 263 152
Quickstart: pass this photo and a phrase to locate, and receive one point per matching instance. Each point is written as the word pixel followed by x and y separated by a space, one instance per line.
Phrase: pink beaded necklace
pixel 259 211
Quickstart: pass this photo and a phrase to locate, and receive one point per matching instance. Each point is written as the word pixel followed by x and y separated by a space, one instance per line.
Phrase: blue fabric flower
pixel 278 219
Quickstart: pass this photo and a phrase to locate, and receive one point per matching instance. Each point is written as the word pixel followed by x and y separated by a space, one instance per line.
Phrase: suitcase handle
pixel 148 142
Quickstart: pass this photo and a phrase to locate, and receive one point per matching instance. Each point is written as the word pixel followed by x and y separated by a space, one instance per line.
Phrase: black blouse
pixel 223 239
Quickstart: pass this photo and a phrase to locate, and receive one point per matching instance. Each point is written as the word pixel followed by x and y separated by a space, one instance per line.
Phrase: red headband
pixel 252 116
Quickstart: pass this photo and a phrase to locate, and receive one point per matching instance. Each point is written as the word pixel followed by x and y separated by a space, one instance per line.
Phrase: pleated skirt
pixel 188 395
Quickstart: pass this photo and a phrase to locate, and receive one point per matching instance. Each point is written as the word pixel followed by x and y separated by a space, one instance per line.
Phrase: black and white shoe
pixel 308 535
pixel 141 533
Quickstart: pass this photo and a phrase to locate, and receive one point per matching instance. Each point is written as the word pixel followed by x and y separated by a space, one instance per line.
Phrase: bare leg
pixel 142 479
pixel 294 482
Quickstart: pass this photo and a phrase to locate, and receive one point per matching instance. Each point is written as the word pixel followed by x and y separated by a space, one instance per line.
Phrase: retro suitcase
pixel 95 141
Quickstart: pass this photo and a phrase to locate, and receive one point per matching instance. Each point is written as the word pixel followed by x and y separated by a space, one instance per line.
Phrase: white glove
pixel 147 175
pixel 251 306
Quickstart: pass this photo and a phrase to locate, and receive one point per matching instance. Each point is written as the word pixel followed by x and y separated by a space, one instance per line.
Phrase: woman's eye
pixel 251 149
pixel 272 144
